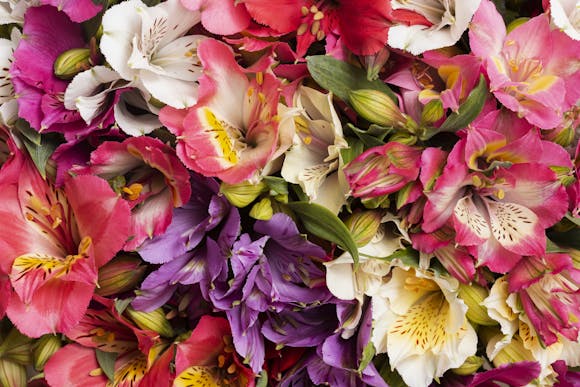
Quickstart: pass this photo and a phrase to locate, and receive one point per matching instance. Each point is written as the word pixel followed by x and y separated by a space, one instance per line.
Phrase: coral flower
pixel 233 130
pixel 56 241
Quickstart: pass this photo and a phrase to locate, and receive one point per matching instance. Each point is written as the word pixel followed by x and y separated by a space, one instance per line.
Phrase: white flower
pixel 313 161
pixel 419 321
pixel 566 16
pixel 8 104
pixel 12 11
pixel 450 18
pixel 147 46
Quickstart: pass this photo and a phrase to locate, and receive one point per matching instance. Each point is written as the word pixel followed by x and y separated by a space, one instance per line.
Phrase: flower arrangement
pixel 289 193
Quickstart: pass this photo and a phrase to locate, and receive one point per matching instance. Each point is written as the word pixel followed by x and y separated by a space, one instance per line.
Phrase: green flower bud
pixel 363 226
pixel 516 23
pixel 377 107
pixel 119 275
pixel 262 210
pixel 16 348
pixel 44 348
pixel 12 374
pixel 512 353
pixel 153 321
pixel 473 296
pixel 404 138
pixel 377 202
pixel 471 364
pixel 432 112
pixel 242 194
pixel 71 62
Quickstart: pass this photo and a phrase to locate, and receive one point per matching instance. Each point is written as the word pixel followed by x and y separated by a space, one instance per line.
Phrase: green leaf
pixel 106 361
pixel 323 223
pixel 277 185
pixel 468 110
pixel 407 256
pixel 262 379
pixel 39 146
pixel 392 378
pixel 573 219
pixel 341 77
pixel 121 305
pixel 355 148
pixel 367 356
pixel 368 139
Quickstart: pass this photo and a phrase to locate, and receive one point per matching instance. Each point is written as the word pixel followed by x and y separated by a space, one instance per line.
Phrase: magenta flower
pixel 56 242
pixel 537 78
pixel 149 176
pixel 383 170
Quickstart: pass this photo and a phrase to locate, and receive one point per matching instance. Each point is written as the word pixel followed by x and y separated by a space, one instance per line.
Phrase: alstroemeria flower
pixel 57 240
pixel 8 104
pixel 233 131
pixel 501 215
pixel 149 176
pixel 220 17
pixel 537 78
pixel 314 159
pixel 420 323
pixel 565 14
pixel 444 21
pixel 78 10
pixel 361 25
pixel 382 170
pixel 148 46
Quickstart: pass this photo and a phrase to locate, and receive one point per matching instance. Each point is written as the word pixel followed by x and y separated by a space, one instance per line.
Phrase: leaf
pixel 407 256
pixel 39 146
pixel 341 77
pixel 392 378
pixel 573 219
pixel 569 238
pixel 372 137
pixel 277 185
pixel 468 110
pixel 355 148
pixel 367 356
pixel 121 305
pixel 262 380
pixel 321 222
pixel 106 361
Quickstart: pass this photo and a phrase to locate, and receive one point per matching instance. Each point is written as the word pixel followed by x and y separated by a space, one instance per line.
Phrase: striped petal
pixel 471 225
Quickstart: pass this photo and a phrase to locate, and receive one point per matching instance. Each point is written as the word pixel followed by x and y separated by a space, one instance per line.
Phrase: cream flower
pixel 314 159
pixel 8 104
pixel 449 18
pixel 419 321
pixel 147 46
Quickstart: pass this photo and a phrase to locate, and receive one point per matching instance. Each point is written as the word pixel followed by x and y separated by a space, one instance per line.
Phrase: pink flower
pixel 221 17
pixel 537 78
pixel 149 176
pixel 500 208
pixel 233 130
pixel 57 240
pixel 383 170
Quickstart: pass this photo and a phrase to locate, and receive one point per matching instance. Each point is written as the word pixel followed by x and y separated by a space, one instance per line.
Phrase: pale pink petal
pixel 487 30
pixel 78 10
pixel 470 223
pixel 71 366
pixel 221 17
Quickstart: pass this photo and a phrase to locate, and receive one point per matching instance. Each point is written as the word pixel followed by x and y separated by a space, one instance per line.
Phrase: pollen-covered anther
pixel 302 29
pixel 96 372
pixel 133 191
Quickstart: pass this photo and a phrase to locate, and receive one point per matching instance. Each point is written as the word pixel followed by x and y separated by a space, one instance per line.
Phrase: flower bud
pixel 262 210
pixel 153 321
pixel 473 296
pixel 242 194
pixel 71 62
pixel 516 23
pixel 432 112
pixel 44 348
pixel 512 353
pixel 469 366
pixel 119 275
pixel 16 347
pixel 12 374
pixel 376 107
pixel 363 226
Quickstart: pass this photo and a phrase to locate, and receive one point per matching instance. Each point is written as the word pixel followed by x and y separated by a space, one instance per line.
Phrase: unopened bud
pixel 119 275
pixel 363 226
pixel 376 107
pixel 432 112
pixel 16 348
pixel 153 321
pixel 516 23
pixel 71 62
pixel 377 202
pixel 469 366
pixel 404 138
pixel 262 210
pixel 473 296
pixel 12 374
pixel 45 347
pixel 242 194
pixel 512 353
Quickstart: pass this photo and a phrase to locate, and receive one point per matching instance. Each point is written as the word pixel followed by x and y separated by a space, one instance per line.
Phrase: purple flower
pixel 49 33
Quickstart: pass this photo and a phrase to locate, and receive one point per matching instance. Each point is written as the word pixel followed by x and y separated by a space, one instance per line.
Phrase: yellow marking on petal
pixel 489 147
pixel 499 64
pixel 197 376
pixel 542 83
pixel 221 136
pixel 131 371
pixel 450 74
pixel 133 191
pixel 415 284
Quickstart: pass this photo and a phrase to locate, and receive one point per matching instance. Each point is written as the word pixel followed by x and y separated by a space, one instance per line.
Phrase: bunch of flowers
pixel 289 193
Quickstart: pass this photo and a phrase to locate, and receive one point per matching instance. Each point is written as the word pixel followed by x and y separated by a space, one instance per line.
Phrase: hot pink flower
pixel 537 78
pixel 383 170
pixel 149 176
pixel 57 240
pixel 233 130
